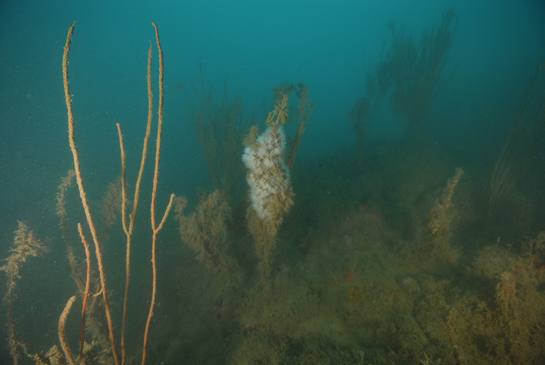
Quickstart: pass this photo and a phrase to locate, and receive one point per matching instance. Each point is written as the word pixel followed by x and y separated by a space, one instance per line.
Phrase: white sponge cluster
pixel 268 174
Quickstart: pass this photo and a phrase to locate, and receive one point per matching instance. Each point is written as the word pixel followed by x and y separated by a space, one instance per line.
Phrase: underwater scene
pixel 287 182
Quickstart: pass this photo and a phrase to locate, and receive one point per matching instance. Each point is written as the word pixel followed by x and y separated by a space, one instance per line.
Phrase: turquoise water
pixel 354 260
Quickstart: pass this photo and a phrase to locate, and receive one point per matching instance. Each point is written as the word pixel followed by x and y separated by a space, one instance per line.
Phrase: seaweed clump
pixel 24 246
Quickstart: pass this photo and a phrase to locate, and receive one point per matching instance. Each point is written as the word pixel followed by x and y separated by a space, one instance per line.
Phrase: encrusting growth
pixel 441 215
pixel 417 69
pixel 205 231
pixel 218 128
pixel 61 213
pixel 24 246
pixel 61 201
pixel 305 108
pixel 111 207
pixel 270 191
